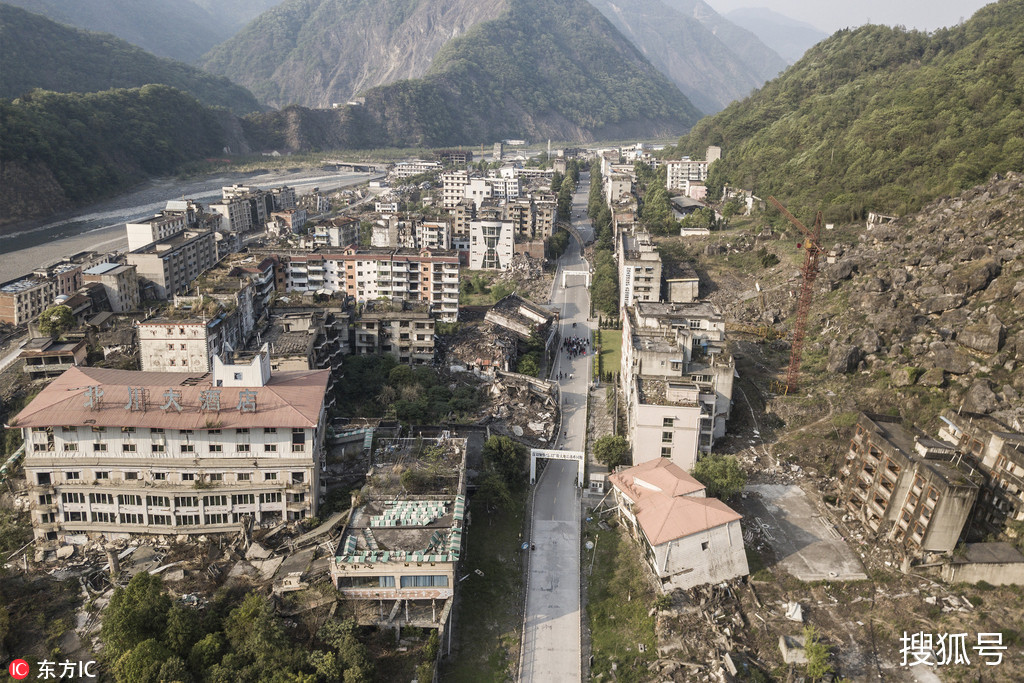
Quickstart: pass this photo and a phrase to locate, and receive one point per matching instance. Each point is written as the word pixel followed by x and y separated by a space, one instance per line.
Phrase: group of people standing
pixel 575 346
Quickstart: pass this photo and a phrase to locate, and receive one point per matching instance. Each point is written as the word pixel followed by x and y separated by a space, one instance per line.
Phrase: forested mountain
pixel 39 53
pixel 788 37
pixel 318 52
pixel 544 69
pixel 880 118
pixel 178 29
pixel 708 71
pixel 59 150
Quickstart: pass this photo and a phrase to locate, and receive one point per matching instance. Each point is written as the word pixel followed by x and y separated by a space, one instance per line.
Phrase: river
pixel 100 227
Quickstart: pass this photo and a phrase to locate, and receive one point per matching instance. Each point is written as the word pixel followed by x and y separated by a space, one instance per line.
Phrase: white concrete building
pixel 114 453
pixel 158 227
pixel 491 244
pixel 639 270
pixel 171 264
pixel 453 188
pixel 678 376
pixel 688 539
pixel 479 190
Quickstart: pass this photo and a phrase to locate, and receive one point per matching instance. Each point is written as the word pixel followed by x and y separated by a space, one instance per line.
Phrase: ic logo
pixel 18 669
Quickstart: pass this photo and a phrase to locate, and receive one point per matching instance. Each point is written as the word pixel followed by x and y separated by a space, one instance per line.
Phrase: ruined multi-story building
pixel 404 331
pixel 997 452
pixel 677 377
pixel 903 485
pixel 397 555
pixel 113 453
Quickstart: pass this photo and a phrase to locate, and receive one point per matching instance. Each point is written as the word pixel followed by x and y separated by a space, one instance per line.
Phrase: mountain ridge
pixel 40 53
pixel 879 118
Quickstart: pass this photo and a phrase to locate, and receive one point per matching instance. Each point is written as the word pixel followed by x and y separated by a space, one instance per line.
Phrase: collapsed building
pixel 914 490
pixel 397 555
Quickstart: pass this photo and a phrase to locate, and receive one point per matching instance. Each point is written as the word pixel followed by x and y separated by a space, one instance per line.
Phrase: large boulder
pixel 942 302
pixel 843 358
pixel 903 377
pixel 980 398
pixel 974 277
pixel 933 377
pixel 951 361
pixel 987 337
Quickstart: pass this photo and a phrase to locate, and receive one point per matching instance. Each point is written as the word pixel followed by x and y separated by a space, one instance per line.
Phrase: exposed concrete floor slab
pixel 807 546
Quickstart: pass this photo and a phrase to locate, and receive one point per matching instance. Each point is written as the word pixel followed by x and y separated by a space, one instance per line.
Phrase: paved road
pixel 551 647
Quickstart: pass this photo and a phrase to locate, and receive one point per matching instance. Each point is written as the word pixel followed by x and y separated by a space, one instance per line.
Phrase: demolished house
pixel 397 556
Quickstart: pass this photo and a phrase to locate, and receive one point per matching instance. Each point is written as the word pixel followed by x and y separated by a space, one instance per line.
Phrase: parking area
pixel 807 546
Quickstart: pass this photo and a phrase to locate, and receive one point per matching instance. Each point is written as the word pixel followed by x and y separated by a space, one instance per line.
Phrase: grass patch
pixel 619 599
pixel 611 350
pixel 756 565
pixel 489 619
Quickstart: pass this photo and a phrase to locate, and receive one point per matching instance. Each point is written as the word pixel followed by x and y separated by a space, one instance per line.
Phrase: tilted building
pixel 688 539
pixel 905 486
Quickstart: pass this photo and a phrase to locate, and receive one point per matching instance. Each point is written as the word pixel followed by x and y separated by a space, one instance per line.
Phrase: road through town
pixel 551 645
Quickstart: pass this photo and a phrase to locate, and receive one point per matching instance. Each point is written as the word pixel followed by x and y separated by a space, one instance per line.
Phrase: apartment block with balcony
pixel 905 486
pixel 405 331
pixel 684 345
pixel 997 452
pixel 115 453
pixel 639 270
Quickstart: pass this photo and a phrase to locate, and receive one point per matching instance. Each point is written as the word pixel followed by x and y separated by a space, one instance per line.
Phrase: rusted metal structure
pixel 812 254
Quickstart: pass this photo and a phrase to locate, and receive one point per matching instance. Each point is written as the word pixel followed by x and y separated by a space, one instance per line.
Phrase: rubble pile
pixel 523 407
pixel 528 276
pixel 704 637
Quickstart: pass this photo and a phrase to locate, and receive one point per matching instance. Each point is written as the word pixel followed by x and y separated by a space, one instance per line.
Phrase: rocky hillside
pixel 880 119
pixel 914 316
pixel 318 52
pixel 709 70
pixel 39 53
pixel 546 69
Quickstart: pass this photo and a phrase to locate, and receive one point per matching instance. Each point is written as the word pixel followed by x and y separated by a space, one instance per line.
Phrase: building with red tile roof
pixel 689 539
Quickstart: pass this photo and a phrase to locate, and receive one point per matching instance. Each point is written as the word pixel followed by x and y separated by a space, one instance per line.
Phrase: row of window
pixel 138 519
pixel 165 501
pixel 423 581
pixel 160 430
pixel 99 447
pixel 47 478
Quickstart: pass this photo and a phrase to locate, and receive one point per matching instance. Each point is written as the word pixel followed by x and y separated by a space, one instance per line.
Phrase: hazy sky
pixel 832 15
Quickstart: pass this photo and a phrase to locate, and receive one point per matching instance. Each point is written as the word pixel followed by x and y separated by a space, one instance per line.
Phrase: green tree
pixel 612 451
pixel 56 321
pixel 142 664
pixel 136 613
pixel 259 646
pixel 174 670
pixel 493 491
pixel 183 630
pixel 818 664
pixel 507 457
pixel 351 655
pixel 528 366
pixel 721 474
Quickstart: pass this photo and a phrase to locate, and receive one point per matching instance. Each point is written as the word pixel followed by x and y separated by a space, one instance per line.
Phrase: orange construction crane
pixel 812 253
